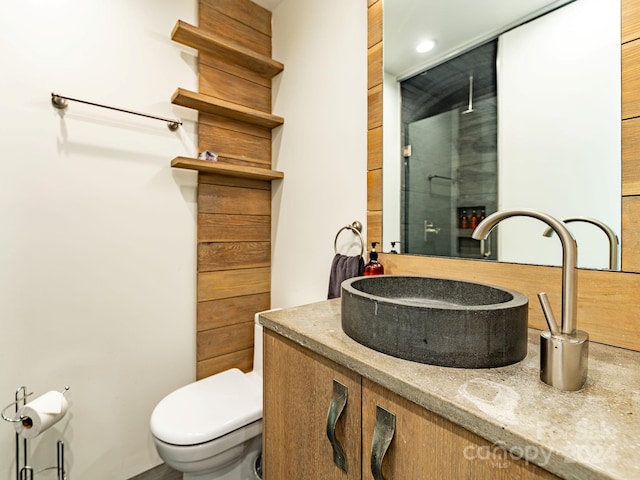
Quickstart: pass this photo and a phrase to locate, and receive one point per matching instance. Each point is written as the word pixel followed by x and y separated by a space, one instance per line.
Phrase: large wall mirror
pixel 517 106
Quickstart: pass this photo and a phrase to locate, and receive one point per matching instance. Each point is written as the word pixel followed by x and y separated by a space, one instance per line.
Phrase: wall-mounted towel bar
pixel 356 228
pixel 431 177
pixel 61 103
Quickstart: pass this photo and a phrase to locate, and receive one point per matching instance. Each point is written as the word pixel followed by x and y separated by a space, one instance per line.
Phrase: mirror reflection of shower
pixel 449 177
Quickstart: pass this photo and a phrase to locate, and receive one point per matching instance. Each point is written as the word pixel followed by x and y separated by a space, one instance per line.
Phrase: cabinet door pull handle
pixel 336 407
pixel 382 436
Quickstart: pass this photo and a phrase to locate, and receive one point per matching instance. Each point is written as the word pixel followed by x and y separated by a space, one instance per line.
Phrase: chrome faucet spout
pixel 564 350
pixel 569 257
pixel 608 231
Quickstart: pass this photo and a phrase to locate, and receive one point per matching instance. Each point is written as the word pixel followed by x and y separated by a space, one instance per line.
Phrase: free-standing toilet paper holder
pixel 26 472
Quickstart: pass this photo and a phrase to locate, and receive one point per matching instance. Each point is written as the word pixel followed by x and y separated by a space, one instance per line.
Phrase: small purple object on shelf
pixel 208 155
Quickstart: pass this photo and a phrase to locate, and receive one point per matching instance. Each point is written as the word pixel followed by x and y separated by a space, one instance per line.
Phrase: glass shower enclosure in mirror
pixel 449 168
pixel 524 115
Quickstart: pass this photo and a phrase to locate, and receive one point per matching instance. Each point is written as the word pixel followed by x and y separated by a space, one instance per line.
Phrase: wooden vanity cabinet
pixel 298 387
pixel 426 446
pixel 298 390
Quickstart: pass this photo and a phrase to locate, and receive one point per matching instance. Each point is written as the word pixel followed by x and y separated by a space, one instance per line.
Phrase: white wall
pixel 97 250
pixel 559 130
pixel 322 147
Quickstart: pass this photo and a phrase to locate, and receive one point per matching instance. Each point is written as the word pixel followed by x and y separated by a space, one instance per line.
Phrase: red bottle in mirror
pixel 464 220
pixel 473 221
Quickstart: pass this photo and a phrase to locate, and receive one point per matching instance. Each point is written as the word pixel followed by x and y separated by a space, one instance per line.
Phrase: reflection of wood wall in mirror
pixel 608 302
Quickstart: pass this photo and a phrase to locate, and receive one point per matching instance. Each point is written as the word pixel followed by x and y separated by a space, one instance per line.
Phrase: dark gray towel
pixel 342 268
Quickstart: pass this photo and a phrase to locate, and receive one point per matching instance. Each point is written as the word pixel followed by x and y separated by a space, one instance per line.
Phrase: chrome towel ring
pixel 356 228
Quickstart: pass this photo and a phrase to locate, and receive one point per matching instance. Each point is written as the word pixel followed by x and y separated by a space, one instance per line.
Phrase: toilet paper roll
pixel 41 414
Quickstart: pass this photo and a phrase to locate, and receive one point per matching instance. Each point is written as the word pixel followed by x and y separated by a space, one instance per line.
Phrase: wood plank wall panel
pixel 210 59
pixel 374 20
pixel 374 226
pixel 235 89
pixel 242 359
pixel 223 256
pixel 374 125
pixel 235 142
pixel 239 21
pixel 374 103
pixel 245 12
pixel 216 179
pixel 374 190
pixel 234 214
pixel 630 59
pixel 227 228
pixel 233 200
pixel 374 148
pixel 223 312
pixel 630 135
pixel 374 73
pixel 630 24
pixel 631 234
pixel 608 302
pixel 210 120
pixel 631 156
pixel 233 283
pixel 225 340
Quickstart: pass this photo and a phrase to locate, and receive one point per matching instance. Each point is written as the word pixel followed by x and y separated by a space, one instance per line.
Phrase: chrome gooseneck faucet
pixel 564 350
pixel 611 236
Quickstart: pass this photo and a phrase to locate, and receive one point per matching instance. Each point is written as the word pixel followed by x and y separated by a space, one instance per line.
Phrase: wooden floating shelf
pixel 208 104
pixel 199 39
pixel 227 169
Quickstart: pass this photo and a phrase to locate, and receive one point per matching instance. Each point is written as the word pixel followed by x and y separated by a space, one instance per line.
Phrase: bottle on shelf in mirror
pixel 473 221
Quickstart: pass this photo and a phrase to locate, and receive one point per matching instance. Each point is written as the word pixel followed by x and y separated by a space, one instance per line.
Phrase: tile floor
pixel 161 472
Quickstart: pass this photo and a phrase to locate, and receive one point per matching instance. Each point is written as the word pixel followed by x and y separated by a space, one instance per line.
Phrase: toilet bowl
pixel 212 429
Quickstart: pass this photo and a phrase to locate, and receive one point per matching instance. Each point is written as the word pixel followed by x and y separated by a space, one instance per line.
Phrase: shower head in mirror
pixel 470 107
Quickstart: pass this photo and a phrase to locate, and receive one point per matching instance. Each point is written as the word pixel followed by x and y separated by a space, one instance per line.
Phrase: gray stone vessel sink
pixel 436 321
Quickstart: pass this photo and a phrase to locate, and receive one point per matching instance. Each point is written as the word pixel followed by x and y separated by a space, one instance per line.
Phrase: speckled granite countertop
pixel 590 434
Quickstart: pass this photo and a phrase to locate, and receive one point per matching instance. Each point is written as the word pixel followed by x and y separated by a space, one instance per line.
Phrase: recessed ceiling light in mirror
pixel 425 46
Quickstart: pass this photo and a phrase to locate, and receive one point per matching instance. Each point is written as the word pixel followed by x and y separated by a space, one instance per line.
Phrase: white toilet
pixel 212 429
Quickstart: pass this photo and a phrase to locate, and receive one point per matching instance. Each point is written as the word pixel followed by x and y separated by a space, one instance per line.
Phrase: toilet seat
pixel 217 452
pixel 208 409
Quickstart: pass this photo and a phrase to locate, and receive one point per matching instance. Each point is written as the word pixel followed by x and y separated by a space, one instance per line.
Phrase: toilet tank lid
pixel 208 409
